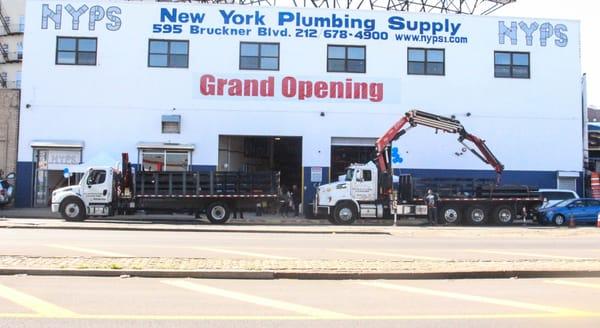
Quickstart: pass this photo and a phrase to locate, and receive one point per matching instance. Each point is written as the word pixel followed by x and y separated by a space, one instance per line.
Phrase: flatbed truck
pixel 104 192
pixel 368 191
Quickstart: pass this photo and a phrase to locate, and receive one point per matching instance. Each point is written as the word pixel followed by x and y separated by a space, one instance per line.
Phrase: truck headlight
pixel 341 186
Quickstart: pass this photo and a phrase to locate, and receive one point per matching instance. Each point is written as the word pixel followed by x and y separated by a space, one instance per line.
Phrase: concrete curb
pixel 235 230
pixel 270 275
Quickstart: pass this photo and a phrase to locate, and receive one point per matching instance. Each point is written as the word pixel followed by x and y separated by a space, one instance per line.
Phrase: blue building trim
pixel 24 184
pixel 310 188
pixel 197 168
pixel 535 179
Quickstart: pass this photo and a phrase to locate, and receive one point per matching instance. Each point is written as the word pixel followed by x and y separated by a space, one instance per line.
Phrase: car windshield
pixel 563 203
pixel 349 174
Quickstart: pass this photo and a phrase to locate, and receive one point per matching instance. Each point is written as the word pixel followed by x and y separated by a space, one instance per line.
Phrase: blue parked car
pixel 583 210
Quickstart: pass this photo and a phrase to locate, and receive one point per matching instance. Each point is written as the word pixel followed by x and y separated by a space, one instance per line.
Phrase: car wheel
pixel 217 213
pixel 504 215
pixel 72 209
pixel 450 215
pixel 476 215
pixel 559 219
pixel 345 213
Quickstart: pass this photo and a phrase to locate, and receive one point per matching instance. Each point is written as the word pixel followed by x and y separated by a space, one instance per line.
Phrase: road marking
pixel 35 304
pixel 573 283
pixel 406 256
pixel 476 298
pixel 282 305
pixel 559 257
pixel 251 254
pixel 89 250
pixel 421 317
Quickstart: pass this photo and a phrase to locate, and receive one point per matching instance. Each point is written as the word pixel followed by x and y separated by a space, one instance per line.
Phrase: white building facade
pixel 302 91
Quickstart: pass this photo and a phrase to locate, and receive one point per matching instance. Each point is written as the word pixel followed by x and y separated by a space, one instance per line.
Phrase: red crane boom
pixel 446 124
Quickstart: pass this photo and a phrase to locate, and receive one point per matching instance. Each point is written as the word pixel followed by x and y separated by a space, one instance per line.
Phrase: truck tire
pixel 217 213
pixel 477 215
pixel 345 213
pixel 504 215
pixel 450 214
pixel 72 209
pixel 559 219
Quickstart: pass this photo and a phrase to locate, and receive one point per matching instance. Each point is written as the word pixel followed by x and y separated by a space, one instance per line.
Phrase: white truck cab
pixel 356 196
pixel 92 196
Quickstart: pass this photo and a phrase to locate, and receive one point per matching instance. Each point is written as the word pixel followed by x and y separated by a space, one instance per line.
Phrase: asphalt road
pixel 136 302
pixel 409 243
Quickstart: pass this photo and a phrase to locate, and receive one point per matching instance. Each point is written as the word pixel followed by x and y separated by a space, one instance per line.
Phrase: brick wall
pixel 9 129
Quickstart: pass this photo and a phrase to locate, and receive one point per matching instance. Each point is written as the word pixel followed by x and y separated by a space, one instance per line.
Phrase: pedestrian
pixel 431 201
pixel 236 210
pixel 296 199
pixel 284 201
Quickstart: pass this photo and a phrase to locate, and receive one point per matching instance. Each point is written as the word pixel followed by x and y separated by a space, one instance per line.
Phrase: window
pixel 165 160
pixel 367 175
pixel 511 64
pixel 18 83
pixel 171 124
pixel 19 50
pixel 96 177
pixel 168 53
pixel 349 59
pixel 259 56
pixel 21 23
pixel 76 51
pixel 426 61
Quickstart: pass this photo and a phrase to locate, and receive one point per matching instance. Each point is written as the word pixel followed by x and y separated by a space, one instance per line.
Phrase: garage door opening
pixel 345 151
pixel 263 153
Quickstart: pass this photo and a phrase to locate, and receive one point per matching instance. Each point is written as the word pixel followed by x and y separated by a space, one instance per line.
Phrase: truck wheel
pixel 72 209
pixel 476 215
pixel 345 213
pixel 450 214
pixel 559 219
pixel 217 213
pixel 504 215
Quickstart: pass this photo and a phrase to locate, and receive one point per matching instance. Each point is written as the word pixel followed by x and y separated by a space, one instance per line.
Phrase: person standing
pixel 431 201
pixel 296 199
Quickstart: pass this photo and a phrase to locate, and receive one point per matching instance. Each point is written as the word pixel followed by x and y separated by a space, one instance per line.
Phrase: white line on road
pixel 573 283
pixel 282 305
pixel 35 304
pixel 476 298
pixel 524 254
pixel 89 250
pixel 406 256
pixel 251 254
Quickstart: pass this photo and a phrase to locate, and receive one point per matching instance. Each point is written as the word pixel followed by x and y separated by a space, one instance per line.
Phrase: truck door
pixel 364 187
pixel 98 188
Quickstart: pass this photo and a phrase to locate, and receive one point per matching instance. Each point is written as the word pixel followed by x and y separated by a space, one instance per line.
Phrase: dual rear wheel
pixel 476 215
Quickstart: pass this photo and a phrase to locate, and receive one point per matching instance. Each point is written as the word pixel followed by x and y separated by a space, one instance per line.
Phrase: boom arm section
pixel 450 125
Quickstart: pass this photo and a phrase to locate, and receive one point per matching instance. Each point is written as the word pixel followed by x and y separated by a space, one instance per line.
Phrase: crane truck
pixel 368 191
pixel 104 191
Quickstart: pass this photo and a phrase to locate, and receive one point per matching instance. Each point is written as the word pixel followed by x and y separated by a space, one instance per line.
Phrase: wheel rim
pixel 450 215
pixel 559 220
pixel 345 214
pixel 72 210
pixel 218 212
pixel 477 215
pixel 504 216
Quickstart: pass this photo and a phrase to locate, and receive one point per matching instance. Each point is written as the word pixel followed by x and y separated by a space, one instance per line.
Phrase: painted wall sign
pixel 532 33
pixel 290 87
pixel 72 16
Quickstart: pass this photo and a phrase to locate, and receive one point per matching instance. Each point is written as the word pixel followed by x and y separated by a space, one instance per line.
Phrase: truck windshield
pixel 349 174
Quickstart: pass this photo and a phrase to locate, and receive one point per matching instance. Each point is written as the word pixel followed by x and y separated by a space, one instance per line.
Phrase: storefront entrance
pixel 345 151
pixel 263 153
pixel 49 171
